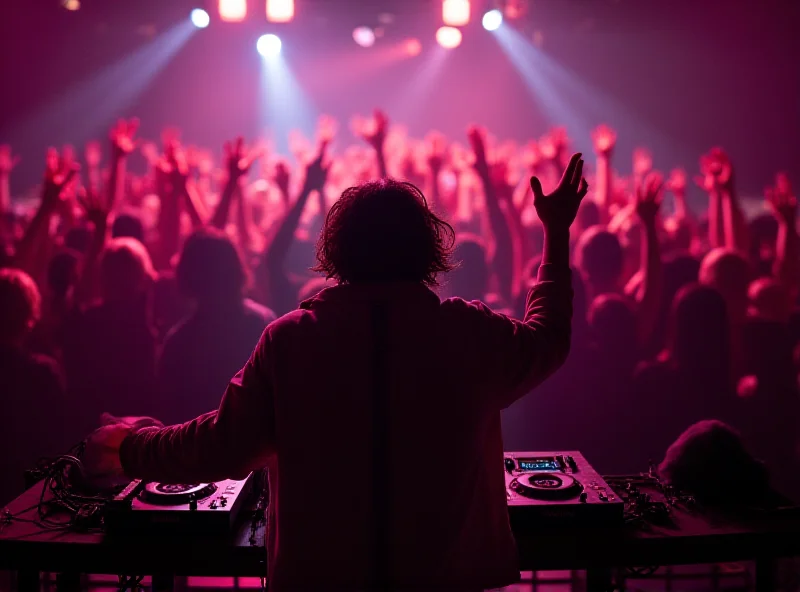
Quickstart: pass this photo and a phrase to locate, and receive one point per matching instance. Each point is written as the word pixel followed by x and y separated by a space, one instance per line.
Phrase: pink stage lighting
pixel 413 47
pixel 448 37
pixel 455 13
pixel 364 36
pixel 280 11
pixel 232 11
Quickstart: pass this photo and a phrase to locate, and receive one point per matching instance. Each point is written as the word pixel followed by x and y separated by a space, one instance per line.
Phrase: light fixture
pixel 455 13
pixel 492 20
pixel 200 18
pixel 448 37
pixel 269 45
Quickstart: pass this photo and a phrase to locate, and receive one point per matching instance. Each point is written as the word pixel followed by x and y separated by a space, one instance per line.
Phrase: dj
pixel 376 406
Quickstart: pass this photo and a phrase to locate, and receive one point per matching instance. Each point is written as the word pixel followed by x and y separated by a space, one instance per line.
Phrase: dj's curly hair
pixel 383 231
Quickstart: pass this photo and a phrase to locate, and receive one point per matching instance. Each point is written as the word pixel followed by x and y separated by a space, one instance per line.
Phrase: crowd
pixel 143 294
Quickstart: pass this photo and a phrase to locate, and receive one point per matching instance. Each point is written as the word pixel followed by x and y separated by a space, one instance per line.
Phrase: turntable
pixel 547 488
pixel 197 508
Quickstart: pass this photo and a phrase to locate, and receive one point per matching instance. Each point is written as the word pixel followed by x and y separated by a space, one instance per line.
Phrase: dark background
pixel 675 76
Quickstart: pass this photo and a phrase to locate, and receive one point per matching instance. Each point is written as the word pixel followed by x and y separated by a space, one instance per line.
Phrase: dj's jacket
pixel 301 407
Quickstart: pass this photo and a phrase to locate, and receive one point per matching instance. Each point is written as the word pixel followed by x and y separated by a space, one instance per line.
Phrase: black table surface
pixel 690 537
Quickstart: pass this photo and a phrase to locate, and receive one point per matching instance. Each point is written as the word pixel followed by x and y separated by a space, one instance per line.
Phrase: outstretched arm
pixel 227 443
pixel 529 351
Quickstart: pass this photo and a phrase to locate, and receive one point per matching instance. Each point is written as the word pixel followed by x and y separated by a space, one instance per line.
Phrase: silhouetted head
pixel 699 333
pixel 769 300
pixel 383 231
pixel 588 214
pixel 612 322
pixel 126 271
pixel 729 273
pixel 210 269
pixel 62 272
pixel 78 238
pixel 470 280
pixel 598 255
pixel 709 461
pixel 128 225
pixel 20 305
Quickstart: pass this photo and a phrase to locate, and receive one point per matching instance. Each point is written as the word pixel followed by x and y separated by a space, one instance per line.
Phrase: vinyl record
pixel 547 486
pixel 169 494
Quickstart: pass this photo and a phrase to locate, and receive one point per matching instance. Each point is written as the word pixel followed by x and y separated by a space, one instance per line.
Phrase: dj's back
pixel 448 369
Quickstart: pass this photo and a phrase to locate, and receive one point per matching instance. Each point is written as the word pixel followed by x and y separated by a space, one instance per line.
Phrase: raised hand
pixel 676 183
pixel 122 137
pixel 477 140
pixel 436 150
pixel 648 198
pixel 782 201
pixel 553 144
pixel 238 161
pixel 59 171
pixel 95 207
pixel 716 171
pixel 7 162
pixel 642 162
pixel 93 154
pixel 327 127
pixel 558 209
pixel 281 176
pixel 604 139
pixel 317 172
pixel 374 130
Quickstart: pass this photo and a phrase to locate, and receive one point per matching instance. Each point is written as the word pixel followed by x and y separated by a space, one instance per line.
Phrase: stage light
pixel 364 36
pixel 413 47
pixel 71 4
pixel 200 18
pixel 232 11
pixel 280 11
pixel 455 13
pixel 268 45
pixel 448 37
pixel 492 20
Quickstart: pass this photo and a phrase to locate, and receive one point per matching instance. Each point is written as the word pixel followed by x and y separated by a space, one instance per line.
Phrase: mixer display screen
pixel 539 464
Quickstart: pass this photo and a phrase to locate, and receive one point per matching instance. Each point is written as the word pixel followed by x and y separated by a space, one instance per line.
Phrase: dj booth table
pixel 692 538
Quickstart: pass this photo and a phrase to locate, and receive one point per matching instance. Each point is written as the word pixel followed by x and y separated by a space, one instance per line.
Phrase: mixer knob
pixel 510 465
pixel 192 502
pixel 584 497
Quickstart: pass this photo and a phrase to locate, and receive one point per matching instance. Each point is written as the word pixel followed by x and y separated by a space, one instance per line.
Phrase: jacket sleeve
pixel 224 444
pixel 516 356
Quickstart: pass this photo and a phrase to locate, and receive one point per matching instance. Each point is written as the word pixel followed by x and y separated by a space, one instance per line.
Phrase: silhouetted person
pixel 355 391
pixel 31 388
pixel 109 347
pixel 711 462
pixel 203 351
pixel 599 256
pixel 691 378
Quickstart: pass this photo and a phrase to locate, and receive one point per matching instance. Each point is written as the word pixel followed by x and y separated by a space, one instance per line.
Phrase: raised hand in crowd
pixel 648 199
pixel 604 139
pixel 557 209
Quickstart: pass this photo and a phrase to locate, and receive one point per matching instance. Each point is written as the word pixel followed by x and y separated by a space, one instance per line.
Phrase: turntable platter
pixel 547 486
pixel 174 494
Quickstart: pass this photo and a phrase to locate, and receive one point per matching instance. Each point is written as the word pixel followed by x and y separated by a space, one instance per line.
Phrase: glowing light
pixel 413 47
pixel 280 11
pixel 268 45
pixel 448 37
pixel 71 4
pixel 455 13
pixel 200 18
pixel 492 20
pixel 232 11
pixel 364 36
